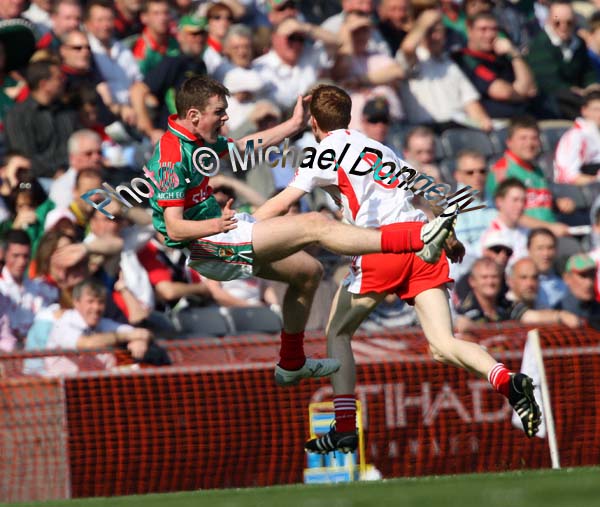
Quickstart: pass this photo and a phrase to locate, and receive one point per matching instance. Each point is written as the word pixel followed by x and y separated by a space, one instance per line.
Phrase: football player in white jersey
pixel 370 183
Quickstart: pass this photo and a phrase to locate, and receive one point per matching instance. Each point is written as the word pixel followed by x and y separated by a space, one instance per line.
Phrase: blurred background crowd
pixel 499 95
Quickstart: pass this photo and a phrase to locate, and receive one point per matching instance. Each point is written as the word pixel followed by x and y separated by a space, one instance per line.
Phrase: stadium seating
pixel 551 131
pixel 455 140
pixel 254 319
pixel 195 322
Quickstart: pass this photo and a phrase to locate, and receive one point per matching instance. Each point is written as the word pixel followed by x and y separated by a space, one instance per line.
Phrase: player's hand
pixel 454 249
pixel 301 112
pixel 227 221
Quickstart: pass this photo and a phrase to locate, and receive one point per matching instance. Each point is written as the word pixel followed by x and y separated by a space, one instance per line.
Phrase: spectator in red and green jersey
pixel 155 42
pixel 519 161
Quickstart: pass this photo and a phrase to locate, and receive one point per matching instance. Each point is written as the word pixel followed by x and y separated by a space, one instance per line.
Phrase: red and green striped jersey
pixel 539 197
pixel 172 171
pixel 148 52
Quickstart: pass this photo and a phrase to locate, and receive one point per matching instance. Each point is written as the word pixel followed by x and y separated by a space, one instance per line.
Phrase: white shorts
pixel 226 255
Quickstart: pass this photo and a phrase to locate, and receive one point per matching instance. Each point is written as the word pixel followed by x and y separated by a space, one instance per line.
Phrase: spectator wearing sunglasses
pixel 220 16
pixel 496 248
pixel 560 63
pixel 293 65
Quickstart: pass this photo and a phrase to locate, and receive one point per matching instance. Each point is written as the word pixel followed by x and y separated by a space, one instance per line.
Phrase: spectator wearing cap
pixel 237 50
pixel 377 43
pixel 114 60
pixel 496 248
pixel 471 171
pixel 85 153
pixel 436 90
pixel 510 203
pixel 65 16
pixel 127 18
pixel 496 68
pixel 220 15
pixel 542 249
pixel 577 155
pixel 27 297
pixel 560 63
pixel 292 66
pixel 580 277
pixel 155 41
pixel 40 126
pixel 162 81
pixel 244 86
pixel 395 20
pixel 375 119
pixel 363 72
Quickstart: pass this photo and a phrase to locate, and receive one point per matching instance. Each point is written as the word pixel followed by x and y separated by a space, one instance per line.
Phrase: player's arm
pixel 278 133
pixel 279 204
pixel 180 229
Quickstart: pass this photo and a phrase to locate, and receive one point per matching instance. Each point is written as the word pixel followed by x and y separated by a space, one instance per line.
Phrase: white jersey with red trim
pixel 344 164
pixel 578 146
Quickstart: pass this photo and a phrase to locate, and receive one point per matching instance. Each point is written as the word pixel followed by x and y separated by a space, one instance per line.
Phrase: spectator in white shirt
pixel 577 157
pixel 27 297
pixel 39 14
pixel 85 152
pixel 115 62
pixel 510 202
pixel 292 66
pixel 84 328
pixel 437 91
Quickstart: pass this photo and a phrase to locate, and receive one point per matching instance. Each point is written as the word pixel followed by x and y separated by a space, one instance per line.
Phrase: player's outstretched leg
pixel 347 312
pixel 434 315
pixel 280 237
pixel 303 274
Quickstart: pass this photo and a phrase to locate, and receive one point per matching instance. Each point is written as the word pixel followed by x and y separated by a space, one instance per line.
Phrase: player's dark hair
pixel 540 231
pixel 330 106
pixel 506 185
pixel 195 92
pixel 522 122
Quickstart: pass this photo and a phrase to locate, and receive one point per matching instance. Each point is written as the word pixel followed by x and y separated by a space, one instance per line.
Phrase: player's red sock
pixel 292 351
pixel 499 377
pixel 404 239
pixel 345 412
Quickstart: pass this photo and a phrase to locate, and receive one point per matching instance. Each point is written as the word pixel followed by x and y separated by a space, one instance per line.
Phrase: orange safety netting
pixel 215 418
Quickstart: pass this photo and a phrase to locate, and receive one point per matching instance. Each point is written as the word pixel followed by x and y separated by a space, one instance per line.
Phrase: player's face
pixel 208 123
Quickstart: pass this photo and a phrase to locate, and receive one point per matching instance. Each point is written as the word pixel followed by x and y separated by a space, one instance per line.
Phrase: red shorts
pixel 405 275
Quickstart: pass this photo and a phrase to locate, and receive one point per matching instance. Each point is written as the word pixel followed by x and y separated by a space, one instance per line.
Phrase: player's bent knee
pixel 309 277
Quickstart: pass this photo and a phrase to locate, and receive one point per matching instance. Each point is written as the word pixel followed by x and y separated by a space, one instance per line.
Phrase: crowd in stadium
pixel 500 96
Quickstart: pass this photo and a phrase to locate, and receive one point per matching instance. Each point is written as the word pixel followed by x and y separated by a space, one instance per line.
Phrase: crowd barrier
pixel 215 418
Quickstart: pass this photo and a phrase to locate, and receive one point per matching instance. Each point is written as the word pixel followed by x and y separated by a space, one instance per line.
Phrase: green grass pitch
pixel 574 487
